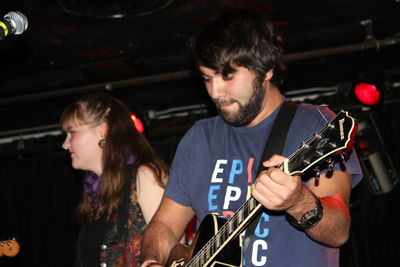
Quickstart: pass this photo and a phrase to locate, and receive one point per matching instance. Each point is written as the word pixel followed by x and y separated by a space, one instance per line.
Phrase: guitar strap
pixel 275 143
pixel 279 131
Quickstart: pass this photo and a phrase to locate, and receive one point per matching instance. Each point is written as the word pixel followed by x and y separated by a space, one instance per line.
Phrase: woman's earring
pixel 102 143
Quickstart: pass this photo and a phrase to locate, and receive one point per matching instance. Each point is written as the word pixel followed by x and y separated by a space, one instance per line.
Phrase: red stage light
pixel 138 123
pixel 367 94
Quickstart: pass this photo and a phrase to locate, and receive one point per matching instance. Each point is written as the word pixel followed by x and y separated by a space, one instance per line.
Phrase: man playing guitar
pixel 304 219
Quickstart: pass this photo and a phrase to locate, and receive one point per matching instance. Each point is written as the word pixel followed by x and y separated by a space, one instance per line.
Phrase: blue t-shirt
pixel 214 166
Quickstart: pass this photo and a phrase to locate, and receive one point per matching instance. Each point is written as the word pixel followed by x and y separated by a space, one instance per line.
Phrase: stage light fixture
pixel 138 123
pixel 367 93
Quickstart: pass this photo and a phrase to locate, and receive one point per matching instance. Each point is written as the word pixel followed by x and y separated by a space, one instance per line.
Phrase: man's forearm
pixel 334 227
pixel 158 242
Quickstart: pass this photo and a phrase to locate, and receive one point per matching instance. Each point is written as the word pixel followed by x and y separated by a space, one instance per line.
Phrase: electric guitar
pixel 9 248
pixel 221 246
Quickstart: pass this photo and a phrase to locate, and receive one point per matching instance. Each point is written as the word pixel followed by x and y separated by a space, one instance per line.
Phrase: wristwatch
pixel 309 219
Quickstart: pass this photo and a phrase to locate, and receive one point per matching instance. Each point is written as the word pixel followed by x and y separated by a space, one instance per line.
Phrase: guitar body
pixel 229 256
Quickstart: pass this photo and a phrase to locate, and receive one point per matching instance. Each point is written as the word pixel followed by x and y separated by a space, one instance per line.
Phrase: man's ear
pixel 268 75
pixel 102 130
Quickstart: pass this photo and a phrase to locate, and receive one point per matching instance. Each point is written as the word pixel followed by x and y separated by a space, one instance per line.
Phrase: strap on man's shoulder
pixel 277 137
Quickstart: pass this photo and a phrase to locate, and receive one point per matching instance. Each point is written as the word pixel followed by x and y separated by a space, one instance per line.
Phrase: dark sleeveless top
pixel 91 238
pixel 116 242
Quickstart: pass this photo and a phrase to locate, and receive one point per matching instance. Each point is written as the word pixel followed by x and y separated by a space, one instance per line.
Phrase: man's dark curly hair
pixel 240 38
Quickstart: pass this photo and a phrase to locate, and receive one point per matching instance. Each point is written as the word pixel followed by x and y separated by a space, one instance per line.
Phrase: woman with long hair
pixel 124 182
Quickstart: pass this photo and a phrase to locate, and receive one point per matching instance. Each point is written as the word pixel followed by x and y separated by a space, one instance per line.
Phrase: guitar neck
pixel 231 229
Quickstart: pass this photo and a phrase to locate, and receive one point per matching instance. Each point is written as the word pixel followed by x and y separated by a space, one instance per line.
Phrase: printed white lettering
pixel 232 194
pixel 218 169
pixel 258 247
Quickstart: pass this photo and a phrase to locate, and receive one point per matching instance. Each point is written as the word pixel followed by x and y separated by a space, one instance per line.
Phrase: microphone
pixel 14 22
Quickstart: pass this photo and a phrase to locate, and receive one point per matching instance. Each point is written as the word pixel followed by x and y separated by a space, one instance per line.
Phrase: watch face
pixel 311 221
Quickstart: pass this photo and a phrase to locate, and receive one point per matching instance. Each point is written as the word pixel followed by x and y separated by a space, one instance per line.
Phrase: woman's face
pixel 82 143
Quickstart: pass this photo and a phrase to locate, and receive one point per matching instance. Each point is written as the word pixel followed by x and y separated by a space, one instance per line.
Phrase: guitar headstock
pixel 9 248
pixel 326 147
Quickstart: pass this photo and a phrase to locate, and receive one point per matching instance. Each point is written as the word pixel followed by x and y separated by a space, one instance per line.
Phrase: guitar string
pixel 320 112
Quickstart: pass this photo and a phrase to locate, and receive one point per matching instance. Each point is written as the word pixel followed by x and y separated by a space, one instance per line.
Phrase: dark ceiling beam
pixel 107 86
pixel 371 44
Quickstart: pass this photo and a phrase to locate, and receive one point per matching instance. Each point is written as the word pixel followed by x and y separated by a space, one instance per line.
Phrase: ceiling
pixel 138 51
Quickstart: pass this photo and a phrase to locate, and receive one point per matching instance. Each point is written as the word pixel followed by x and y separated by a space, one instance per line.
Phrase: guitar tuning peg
pixel 304 145
pixel 342 157
pixel 330 166
pixel 317 172
pixel 332 144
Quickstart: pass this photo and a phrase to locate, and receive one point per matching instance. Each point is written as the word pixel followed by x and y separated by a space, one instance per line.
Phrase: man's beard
pixel 246 114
